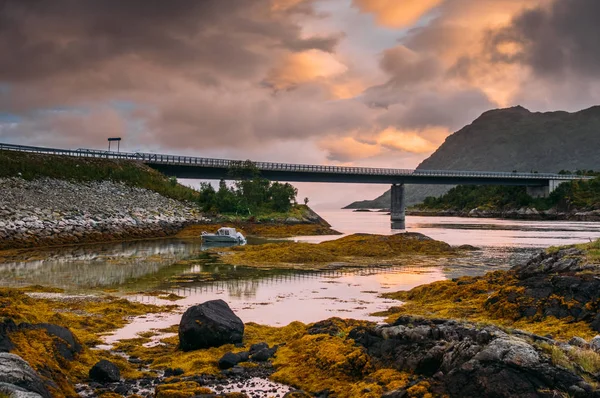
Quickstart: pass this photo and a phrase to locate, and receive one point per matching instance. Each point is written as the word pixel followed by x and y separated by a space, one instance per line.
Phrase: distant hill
pixel 511 139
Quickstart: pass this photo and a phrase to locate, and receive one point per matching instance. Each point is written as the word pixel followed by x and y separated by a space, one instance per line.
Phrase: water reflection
pixel 486 232
pixel 93 266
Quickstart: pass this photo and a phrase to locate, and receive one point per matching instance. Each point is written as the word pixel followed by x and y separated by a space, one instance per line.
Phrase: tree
pixel 225 198
pixel 282 196
pixel 208 197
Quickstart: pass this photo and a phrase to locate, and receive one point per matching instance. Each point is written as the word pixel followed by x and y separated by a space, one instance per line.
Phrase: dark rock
pixel 14 370
pixel 65 342
pixel 105 372
pixel 244 356
pixel 254 348
pixel 467 361
pixel 264 354
pixel 468 248
pixel 229 360
pixel 7 326
pixel 327 326
pixel 210 324
pixel 169 372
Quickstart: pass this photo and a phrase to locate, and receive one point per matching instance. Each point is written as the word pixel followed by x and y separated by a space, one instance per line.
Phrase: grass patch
pixel 30 166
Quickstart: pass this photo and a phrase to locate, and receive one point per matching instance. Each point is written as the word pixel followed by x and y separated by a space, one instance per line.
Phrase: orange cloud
pixel 396 13
pixel 410 141
pixel 304 67
pixel 347 149
pixel 282 5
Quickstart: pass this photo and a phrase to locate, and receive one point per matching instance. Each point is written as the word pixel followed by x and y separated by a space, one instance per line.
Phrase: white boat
pixel 226 235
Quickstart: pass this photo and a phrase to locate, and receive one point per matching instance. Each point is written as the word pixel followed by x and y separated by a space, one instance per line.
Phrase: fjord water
pixel 278 297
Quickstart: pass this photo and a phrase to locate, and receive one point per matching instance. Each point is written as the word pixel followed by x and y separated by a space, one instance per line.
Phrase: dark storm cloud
pixel 430 108
pixel 39 39
pixel 552 40
pixel 191 67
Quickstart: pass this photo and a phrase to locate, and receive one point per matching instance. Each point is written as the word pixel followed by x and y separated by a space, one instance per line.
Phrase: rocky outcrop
pixel 15 372
pixel 561 284
pixel 65 342
pixel 464 360
pixel 54 212
pixel 210 324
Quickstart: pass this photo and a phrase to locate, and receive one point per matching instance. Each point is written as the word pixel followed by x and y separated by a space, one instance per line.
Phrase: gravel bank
pixel 46 212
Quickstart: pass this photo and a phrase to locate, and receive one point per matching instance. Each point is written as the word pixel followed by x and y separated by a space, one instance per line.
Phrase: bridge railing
pixel 154 158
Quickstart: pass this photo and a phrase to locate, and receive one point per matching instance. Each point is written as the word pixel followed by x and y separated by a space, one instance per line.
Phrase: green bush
pixel 579 194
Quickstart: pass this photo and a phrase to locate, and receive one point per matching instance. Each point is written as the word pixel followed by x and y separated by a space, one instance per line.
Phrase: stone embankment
pixel 524 213
pixel 45 212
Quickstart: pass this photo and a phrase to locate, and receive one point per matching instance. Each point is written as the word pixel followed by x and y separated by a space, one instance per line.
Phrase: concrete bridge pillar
pixel 398 208
pixel 543 192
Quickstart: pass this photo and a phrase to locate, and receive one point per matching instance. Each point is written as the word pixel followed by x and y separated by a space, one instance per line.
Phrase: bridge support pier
pixel 544 191
pixel 398 208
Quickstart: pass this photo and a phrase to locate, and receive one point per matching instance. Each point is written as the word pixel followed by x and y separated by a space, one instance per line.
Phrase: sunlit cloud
pixel 396 13
pixel 298 68
pixel 410 141
pixel 349 149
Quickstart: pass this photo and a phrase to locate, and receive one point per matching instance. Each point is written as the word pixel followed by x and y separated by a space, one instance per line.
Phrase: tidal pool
pixel 278 297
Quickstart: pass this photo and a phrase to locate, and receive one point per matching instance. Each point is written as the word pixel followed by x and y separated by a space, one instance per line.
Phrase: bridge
pixel 538 184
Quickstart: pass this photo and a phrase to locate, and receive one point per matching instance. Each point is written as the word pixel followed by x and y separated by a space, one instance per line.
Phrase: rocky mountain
pixel 511 139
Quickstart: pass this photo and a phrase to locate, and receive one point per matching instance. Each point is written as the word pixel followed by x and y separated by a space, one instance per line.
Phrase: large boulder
pixel 105 372
pixel 210 324
pixel 15 371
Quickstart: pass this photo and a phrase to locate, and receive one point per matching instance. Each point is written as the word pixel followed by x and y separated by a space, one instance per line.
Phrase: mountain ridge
pixel 510 139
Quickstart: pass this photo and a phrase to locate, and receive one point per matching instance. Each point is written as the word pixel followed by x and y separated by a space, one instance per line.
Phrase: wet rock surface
pixel 463 360
pixel 17 376
pixel 560 284
pixel 55 212
pixel 252 382
pixel 210 324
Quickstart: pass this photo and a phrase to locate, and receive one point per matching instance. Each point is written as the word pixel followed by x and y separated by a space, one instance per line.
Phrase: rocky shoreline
pixel 49 212
pixel 54 212
pixel 512 214
pixel 527 332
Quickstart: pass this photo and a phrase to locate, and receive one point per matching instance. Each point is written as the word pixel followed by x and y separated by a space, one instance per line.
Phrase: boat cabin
pixel 226 232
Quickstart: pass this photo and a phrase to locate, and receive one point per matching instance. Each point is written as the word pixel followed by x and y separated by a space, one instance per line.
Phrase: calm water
pixel 279 297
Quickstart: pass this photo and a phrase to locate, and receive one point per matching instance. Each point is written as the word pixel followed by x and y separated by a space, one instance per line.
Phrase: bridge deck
pixel 210 168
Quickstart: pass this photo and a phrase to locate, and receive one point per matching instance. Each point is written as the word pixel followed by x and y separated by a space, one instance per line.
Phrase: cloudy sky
pixel 360 82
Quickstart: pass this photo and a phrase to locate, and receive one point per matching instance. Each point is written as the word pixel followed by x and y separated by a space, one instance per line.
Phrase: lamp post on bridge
pixel 118 140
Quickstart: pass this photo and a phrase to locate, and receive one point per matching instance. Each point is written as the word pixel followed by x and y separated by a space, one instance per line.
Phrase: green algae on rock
pixel 355 249
pixel 34 338
pixel 556 292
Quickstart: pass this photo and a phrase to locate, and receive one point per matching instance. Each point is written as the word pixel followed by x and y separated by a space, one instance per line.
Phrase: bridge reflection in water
pixel 247 288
